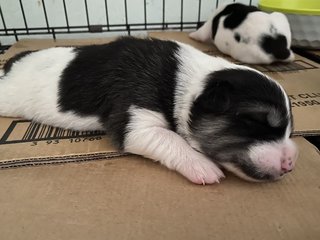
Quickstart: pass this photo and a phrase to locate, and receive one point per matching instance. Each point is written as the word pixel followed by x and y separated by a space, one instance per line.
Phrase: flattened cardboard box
pixel 133 198
pixel 301 80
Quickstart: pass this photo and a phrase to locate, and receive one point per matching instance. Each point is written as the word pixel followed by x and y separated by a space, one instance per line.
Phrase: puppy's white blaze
pixel 267 156
pixel 194 66
pixel 30 90
pixel 147 135
pixel 288 131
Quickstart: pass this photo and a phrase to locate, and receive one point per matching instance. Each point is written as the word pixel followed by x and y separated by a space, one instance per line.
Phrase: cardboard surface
pixel 134 198
pixel 301 79
pixel 24 143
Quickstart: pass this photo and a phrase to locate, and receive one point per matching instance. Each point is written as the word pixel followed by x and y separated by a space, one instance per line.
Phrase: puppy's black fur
pixel 233 94
pixel 105 80
pixel 236 12
pixel 275 45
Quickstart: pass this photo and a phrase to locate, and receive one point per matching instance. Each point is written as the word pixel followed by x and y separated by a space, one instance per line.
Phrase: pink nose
pixel 288 159
pixel 286 165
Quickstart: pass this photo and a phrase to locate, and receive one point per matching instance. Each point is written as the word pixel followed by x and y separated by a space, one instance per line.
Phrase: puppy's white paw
pixel 200 170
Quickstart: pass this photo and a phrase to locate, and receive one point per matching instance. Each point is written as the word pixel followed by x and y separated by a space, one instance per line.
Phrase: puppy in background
pixel 248 34
pixel 164 100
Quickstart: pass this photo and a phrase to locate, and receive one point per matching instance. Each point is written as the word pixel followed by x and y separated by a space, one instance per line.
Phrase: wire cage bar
pixel 187 14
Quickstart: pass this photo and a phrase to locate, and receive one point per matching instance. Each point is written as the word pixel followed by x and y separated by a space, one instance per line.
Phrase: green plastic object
pixel 304 7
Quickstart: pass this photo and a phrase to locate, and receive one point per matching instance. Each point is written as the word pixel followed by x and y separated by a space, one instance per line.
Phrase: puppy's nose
pixel 286 165
pixel 289 157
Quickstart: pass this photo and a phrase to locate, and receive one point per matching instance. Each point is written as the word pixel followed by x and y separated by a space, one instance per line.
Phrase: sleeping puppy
pixel 248 34
pixel 165 100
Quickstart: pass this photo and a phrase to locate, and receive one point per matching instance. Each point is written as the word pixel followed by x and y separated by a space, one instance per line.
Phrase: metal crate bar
pixel 23 15
pixel 3 22
pixel 87 13
pixel 107 14
pixel 199 10
pixel 163 23
pixel 145 13
pixel 181 16
pixel 66 14
pixel 126 16
pixel 163 14
pixel 45 13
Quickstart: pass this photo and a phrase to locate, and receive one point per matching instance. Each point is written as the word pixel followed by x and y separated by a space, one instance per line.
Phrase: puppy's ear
pixel 216 98
pixel 203 34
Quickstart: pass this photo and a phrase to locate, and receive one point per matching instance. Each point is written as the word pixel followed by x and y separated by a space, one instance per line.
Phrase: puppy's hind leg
pixel 147 135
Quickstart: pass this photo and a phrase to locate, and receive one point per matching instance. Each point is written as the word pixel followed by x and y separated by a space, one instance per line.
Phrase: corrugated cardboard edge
pixel 61 159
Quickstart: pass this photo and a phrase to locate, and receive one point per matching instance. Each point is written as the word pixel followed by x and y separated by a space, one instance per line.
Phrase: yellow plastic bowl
pixel 305 7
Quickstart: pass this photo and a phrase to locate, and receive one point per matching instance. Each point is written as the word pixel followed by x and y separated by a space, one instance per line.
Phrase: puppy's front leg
pixel 148 136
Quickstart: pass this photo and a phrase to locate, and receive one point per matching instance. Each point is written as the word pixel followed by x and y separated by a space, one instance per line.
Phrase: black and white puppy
pixel 165 100
pixel 248 34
